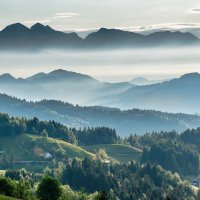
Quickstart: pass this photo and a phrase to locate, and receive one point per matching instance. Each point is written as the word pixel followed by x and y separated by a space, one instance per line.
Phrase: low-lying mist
pixel 107 65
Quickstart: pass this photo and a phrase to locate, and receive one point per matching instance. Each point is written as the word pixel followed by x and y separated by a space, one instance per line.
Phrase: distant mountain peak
pixel 60 75
pixel 58 71
pixel 173 34
pixel 192 76
pixel 67 74
pixel 113 30
pixel 6 77
pixel 17 27
pixel 41 27
pixel 103 29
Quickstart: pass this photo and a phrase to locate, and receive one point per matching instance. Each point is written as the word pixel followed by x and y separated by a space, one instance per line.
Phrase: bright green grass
pixel 6 198
pixel 122 153
pixel 25 148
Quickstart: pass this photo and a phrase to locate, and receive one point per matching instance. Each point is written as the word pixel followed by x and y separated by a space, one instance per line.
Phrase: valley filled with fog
pixel 106 65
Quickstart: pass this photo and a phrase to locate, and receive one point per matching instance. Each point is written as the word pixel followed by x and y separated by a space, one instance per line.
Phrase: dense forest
pixel 21 184
pixel 82 178
pixel 126 181
pixel 173 151
pixel 167 158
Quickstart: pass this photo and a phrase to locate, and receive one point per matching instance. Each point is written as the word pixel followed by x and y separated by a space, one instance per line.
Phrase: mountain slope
pixel 121 153
pixel 60 76
pixel 113 38
pixel 106 37
pixel 60 85
pixel 177 95
pixel 37 37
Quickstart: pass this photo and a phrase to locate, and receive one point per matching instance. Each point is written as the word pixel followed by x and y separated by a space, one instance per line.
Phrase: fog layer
pixel 111 66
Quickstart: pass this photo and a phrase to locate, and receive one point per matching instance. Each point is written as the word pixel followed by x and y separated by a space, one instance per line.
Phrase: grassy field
pixel 31 148
pixel 122 153
pixel 6 198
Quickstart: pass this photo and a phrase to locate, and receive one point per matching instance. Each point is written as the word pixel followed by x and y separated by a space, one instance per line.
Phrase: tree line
pixel 10 126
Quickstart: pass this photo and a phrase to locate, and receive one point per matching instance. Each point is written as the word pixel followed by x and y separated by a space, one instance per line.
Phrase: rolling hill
pixel 121 153
pixel 28 148
pixel 6 198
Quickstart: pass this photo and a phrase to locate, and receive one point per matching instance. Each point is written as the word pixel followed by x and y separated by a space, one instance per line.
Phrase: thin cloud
pixel 51 19
pixel 195 10
pixel 170 26
pixel 63 15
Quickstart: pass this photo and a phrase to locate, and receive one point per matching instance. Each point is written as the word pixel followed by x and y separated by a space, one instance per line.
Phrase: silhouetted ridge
pixel 40 27
pixel 6 77
pixel 177 37
pixel 18 27
pixel 191 75
pixel 15 30
pixel 113 37
pixel 60 75
pixel 18 36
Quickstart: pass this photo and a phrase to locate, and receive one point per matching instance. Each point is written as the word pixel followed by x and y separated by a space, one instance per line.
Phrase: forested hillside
pixel 175 152
pixel 97 159
pixel 124 122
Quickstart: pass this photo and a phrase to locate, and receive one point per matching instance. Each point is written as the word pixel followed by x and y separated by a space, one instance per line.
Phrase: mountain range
pixel 176 95
pixel 144 81
pixel 17 36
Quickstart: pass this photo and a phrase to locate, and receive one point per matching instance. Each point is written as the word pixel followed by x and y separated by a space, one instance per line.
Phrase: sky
pixel 85 15
pixel 90 14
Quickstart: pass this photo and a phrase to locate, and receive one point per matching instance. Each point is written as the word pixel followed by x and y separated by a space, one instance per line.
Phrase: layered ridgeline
pixel 176 95
pixel 17 36
pixel 124 122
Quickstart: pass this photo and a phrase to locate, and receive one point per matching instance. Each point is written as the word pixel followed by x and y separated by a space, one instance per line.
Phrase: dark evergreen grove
pixel 10 126
pixel 130 181
pixel 126 181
